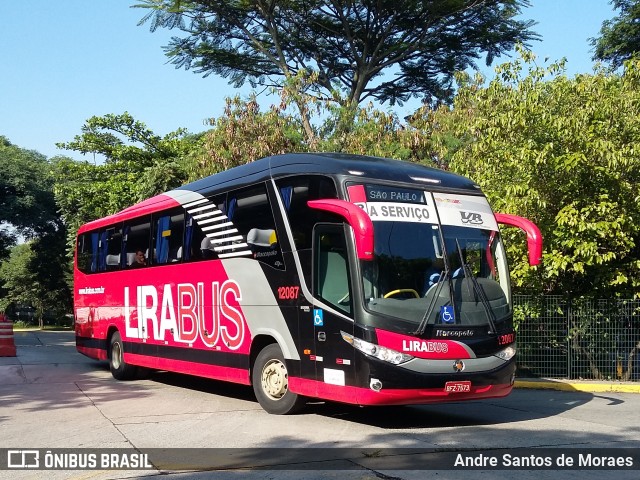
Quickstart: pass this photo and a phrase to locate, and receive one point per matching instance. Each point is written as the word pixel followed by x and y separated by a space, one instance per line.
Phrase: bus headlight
pixel 382 353
pixel 508 353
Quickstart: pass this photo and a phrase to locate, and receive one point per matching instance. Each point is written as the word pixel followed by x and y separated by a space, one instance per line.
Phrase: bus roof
pixel 335 164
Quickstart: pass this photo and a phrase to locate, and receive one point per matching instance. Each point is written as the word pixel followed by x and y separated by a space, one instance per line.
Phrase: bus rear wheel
pixel 120 369
pixel 270 381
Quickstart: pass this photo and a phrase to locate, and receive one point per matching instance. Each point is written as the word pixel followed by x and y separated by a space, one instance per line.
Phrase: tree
pixel 382 50
pixel 26 200
pixel 562 152
pixel 35 274
pixel 619 37
pixel 243 134
pixel 16 278
pixel 138 164
pixel 7 240
pixel 376 133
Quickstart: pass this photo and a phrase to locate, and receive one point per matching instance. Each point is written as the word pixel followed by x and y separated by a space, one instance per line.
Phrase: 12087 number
pixel 288 293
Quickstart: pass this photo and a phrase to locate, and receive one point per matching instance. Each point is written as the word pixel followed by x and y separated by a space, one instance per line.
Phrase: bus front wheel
pixel 120 369
pixel 270 381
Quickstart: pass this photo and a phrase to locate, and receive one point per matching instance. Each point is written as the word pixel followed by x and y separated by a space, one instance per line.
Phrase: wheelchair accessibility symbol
pixel 318 317
pixel 446 314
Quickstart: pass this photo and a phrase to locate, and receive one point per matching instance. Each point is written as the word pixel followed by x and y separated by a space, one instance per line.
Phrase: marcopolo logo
pixel 471 218
pixel 454 333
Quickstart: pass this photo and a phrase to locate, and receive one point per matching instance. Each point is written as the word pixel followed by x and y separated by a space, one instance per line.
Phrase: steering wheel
pixel 401 290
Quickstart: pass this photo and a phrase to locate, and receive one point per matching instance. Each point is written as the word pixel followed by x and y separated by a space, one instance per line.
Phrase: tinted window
pixel 295 193
pixel 168 231
pixel 113 248
pixel 196 244
pixel 331 267
pixel 137 236
pixel 250 212
pixel 84 252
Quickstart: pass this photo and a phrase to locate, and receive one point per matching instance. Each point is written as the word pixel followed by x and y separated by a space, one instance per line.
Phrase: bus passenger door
pixel 332 286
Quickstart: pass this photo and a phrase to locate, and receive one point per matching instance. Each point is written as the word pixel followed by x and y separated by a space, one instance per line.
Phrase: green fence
pixel 579 338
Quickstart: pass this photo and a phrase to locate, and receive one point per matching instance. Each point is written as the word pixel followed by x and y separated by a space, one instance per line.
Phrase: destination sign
pixel 380 193
pixel 399 212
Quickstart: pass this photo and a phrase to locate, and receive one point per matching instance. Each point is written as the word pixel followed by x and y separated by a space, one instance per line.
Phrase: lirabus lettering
pixel 186 312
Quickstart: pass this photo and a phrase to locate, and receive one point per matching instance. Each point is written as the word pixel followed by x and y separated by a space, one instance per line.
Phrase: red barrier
pixel 7 344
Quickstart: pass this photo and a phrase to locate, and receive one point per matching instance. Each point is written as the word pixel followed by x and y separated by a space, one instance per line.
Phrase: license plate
pixel 457 387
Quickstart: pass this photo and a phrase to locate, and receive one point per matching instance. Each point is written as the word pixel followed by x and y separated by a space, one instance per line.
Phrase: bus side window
pixel 295 193
pixel 137 238
pixel 85 252
pixel 252 216
pixel 168 230
pixel 331 267
pixel 197 246
pixel 113 248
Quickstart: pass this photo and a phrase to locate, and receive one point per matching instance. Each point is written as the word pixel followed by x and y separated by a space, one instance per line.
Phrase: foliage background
pixel 560 151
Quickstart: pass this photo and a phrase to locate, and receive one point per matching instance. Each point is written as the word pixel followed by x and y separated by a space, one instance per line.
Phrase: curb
pixel 578 386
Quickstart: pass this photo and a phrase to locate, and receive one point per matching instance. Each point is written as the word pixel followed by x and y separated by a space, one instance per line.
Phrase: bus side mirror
pixel 356 217
pixel 534 237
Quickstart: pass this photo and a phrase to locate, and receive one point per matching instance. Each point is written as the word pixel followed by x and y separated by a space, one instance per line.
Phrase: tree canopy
pixel 244 133
pixel 32 272
pixel 38 273
pixel 383 50
pixel 619 37
pixel 137 164
pixel 26 200
pixel 563 153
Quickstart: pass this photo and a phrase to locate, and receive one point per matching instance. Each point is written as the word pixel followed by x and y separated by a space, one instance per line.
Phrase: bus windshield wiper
pixel 479 291
pixel 444 275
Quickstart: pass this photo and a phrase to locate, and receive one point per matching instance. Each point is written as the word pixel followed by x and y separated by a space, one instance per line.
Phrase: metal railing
pixel 578 338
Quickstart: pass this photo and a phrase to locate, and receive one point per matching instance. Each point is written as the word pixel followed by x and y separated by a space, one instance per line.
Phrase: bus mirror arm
pixel 356 217
pixel 534 237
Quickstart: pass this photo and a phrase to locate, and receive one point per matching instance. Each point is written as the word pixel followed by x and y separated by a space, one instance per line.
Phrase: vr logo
pixel 23 459
pixel 472 218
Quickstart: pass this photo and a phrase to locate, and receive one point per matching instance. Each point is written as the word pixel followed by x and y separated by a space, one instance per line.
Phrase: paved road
pixel 53 397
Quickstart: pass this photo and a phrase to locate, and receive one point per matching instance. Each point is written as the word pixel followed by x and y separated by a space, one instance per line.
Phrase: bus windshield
pixel 448 273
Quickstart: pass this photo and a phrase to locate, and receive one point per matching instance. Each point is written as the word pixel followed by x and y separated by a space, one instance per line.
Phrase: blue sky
pixel 65 61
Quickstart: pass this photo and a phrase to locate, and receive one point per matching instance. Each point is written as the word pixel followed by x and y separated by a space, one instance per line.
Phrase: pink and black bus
pixel 353 279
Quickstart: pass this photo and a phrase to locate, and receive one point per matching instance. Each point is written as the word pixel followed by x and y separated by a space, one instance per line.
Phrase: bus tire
pixel 270 381
pixel 120 369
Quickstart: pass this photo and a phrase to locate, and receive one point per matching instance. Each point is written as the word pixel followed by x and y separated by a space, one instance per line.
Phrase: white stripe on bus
pixel 234 254
pixel 211 220
pixel 213 235
pixel 193 204
pixel 205 215
pixel 228 239
pixel 219 234
pixel 203 208
pixel 219 226
pixel 229 247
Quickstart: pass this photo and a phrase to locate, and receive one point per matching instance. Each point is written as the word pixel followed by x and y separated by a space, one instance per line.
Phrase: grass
pixel 26 326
